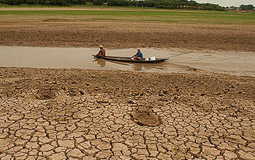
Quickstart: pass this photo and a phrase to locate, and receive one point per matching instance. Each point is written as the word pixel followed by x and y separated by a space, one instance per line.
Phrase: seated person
pixel 102 51
pixel 139 55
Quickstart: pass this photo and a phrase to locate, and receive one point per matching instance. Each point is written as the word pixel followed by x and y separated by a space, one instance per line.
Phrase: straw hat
pixel 101 46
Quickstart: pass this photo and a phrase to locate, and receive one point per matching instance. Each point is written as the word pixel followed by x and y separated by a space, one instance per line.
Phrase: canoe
pixel 128 59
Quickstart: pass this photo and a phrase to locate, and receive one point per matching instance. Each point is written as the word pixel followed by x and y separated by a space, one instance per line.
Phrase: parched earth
pixel 67 31
pixel 82 114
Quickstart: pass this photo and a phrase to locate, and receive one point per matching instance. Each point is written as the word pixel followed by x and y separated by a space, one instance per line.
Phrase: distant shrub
pixel 43 2
pixel 246 7
pixel 13 2
pixel 31 1
pixel 166 4
pixel 98 2
pixel 118 3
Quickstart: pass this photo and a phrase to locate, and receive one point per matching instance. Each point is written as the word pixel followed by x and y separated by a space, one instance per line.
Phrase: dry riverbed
pixel 84 114
pixel 64 31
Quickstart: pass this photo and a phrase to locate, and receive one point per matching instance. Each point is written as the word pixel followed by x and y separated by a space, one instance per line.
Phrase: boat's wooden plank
pixel 128 59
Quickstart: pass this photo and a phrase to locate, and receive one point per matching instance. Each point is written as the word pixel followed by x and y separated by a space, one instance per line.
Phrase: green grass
pixel 144 15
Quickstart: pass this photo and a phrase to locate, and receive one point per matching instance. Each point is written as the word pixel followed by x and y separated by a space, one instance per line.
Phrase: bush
pixel 118 3
pixel 43 2
pixel 76 2
pixel 247 7
pixel 167 4
pixel 98 2
pixel 30 1
pixel 13 2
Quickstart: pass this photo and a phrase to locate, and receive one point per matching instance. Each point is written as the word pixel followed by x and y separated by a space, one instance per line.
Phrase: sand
pixel 58 32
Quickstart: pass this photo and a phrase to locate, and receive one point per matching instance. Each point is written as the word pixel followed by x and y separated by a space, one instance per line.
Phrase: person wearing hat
pixel 102 51
pixel 139 55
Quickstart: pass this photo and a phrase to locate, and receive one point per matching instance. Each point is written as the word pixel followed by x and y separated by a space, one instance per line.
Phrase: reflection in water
pixel 101 62
pixel 121 63
pixel 134 66
pixel 180 61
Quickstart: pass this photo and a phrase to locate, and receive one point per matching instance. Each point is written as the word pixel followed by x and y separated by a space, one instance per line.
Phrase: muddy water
pixel 180 61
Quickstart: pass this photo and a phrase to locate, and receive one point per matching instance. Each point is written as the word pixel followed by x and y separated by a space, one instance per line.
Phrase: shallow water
pixel 180 60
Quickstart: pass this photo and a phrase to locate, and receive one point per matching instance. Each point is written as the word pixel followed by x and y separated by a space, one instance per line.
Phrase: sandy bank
pixel 68 32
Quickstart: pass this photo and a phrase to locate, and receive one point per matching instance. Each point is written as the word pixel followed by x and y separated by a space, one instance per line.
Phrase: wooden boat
pixel 129 59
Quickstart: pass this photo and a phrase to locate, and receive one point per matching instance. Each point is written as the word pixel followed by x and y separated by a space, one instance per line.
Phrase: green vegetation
pixel 145 15
pixel 247 7
pixel 98 2
pixel 166 4
pixel 43 2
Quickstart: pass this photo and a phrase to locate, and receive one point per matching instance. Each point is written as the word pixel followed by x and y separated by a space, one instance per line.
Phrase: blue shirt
pixel 140 55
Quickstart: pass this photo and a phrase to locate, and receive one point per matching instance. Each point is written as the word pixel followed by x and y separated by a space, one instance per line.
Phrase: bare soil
pixel 109 115
pixel 61 31
pixel 85 114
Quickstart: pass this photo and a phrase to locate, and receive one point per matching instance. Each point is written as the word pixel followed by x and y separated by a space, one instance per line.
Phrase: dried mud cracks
pixel 144 116
pixel 77 114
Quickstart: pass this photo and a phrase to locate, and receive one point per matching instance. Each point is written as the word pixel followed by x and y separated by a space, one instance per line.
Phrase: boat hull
pixel 128 59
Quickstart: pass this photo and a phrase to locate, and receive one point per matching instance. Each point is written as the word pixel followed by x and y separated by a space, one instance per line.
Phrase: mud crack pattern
pixel 82 114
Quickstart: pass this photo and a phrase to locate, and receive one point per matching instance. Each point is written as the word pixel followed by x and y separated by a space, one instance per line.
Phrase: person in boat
pixel 102 51
pixel 139 55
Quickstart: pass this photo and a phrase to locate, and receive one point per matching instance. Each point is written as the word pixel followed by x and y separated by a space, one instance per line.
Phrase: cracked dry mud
pixel 82 114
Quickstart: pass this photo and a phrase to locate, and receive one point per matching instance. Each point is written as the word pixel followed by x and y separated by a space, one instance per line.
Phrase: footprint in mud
pixel 144 116
pixel 45 94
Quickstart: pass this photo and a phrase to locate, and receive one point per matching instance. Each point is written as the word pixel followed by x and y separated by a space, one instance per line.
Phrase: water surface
pixel 180 60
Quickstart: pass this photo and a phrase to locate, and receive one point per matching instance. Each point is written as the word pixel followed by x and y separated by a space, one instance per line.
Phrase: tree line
pixel 247 7
pixel 165 4
pixel 43 2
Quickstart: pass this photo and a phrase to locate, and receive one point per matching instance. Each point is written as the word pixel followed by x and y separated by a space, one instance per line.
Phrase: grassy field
pixel 137 14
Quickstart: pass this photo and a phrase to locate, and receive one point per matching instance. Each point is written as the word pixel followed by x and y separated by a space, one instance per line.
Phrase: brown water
pixel 180 60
